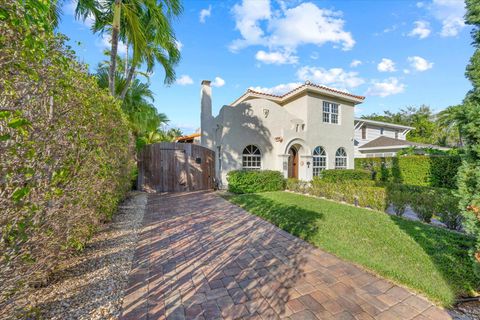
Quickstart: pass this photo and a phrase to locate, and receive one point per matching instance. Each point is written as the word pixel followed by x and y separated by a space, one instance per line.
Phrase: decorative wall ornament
pixel 278 139
pixel 266 112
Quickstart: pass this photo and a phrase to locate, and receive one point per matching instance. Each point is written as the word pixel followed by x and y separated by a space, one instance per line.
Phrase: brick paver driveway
pixel 201 257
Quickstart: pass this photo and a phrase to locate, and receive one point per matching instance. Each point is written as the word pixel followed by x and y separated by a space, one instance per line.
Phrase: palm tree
pixel 449 119
pixel 126 20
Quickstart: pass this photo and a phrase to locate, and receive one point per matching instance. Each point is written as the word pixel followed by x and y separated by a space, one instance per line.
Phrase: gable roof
pixel 300 90
pixel 384 142
pixel 384 124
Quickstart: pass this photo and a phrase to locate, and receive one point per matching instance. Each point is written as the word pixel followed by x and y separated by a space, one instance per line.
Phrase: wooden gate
pixel 174 167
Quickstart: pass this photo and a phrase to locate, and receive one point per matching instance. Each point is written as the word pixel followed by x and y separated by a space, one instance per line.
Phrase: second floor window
pixel 330 112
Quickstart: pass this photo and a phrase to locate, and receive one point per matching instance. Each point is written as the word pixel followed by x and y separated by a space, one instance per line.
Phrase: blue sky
pixel 396 53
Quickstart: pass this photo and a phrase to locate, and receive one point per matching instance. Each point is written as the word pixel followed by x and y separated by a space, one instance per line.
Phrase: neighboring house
pixel 382 139
pixel 300 133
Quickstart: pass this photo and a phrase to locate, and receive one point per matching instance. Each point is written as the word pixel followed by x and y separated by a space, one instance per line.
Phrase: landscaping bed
pixel 429 260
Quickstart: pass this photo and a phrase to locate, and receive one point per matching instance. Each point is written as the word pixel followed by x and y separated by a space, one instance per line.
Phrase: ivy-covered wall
pixel 419 170
pixel 66 152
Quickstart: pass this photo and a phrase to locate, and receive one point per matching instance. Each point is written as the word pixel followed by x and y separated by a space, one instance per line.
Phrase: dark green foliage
pixel 345 175
pixel 469 122
pixel 399 200
pixel 250 181
pixel 423 206
pixel 433 171
pixel 66 152
pixel 448 210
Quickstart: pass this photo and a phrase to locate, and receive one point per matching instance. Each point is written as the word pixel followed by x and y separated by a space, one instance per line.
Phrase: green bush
pixel 251 181
pixel 296 185
pixel 423 206
pixel 345 175
pixel 399 200
pixel 448 210
pixel 66 151
pixel 431 170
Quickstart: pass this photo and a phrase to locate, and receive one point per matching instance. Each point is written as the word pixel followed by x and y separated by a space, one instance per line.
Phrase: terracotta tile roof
pixel 305 85
pixel 191 136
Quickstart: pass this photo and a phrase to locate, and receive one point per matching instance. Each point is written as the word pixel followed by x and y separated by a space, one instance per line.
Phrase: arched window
pixel 341 159
pixel 251 158
pixel 319 160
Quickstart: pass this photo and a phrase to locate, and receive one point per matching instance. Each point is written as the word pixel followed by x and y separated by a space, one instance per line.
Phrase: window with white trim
pixel 251 158
pixel 341 159
pixel 330 112
pixel 319 160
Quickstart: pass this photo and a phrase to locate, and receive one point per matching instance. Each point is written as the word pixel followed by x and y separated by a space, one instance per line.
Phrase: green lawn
pixel 429 260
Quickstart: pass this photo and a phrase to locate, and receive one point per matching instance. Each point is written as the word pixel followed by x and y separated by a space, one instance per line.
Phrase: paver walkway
pixel 201 257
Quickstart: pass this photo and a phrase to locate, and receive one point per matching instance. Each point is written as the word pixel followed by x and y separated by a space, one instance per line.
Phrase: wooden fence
pixel 175 167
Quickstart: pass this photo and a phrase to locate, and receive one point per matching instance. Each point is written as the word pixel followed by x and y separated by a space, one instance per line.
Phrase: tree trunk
pixel 131 73
pixel 113 52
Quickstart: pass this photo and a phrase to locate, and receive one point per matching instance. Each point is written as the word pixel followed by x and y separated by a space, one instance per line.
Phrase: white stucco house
pixel 300 133
pixel 382 139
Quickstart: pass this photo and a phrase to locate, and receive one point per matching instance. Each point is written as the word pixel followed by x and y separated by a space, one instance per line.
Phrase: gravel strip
pixel 91 285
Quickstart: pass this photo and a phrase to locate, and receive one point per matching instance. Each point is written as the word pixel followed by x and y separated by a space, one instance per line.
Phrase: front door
pixel 293 163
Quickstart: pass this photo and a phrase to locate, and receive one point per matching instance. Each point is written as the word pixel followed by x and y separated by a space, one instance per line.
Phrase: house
pixel 382 139
pixel 300 133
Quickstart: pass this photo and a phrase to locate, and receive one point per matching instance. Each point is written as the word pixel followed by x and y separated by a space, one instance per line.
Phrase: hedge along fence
pixel 251 181
pixel 433 170
pixel 66 153
pixel 425 201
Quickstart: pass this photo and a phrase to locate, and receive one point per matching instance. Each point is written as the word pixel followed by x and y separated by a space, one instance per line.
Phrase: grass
pixel 429 260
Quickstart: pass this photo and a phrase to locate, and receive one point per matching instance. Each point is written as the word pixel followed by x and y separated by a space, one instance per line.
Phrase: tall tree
pixel 469 173
pixel 131 21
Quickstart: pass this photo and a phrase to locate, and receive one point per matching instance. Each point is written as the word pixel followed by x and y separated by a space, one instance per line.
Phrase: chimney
pixel 206 114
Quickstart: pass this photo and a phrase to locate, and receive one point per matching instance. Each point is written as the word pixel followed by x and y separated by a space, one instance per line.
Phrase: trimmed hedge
pixel 345 175
pixel 251 181
pixel 425 201
pixel 66 153
pixel 420 170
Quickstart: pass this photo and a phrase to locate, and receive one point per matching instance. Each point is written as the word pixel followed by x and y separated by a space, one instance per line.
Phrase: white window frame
pixel 319 160
pixel 341 161
pixel 251 158
pixel 327 112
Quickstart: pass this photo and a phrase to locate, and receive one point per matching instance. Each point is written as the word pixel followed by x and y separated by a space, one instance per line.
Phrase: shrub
pixel 251 181
pixel 296 185
pixel 66 152
pixel 423 206
pixel 433 170
pixel 345 175
pixel 449 212
pixel 399 200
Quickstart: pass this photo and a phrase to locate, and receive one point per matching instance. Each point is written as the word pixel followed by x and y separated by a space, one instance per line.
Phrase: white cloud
pixel 179 45
pixel 336 77
pixel 420 4
pixel 184 80
pixel 355 63
pixel 288 28
pixel 386 65
pixel 314 55
pixel 385 88
pixel 218 82
pixel 278 90
pixel 421 30
pixel 450 13
pixel 69 8
pixel 276 57
pixel 106 43
pixel 204 13
pixel 419 63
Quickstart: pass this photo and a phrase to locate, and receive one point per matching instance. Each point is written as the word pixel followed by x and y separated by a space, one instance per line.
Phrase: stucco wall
pixel 274 128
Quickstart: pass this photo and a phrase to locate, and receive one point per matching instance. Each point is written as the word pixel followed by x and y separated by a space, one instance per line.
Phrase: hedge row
pixel 425 201
pixel 432 171
pixel 250 181
pixel 345 175
pixel 66 152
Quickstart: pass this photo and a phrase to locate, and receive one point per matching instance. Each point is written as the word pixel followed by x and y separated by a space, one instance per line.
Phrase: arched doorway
pixel 293 162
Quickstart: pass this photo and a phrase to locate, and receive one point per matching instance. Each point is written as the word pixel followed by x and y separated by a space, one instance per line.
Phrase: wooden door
pixel 293 163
